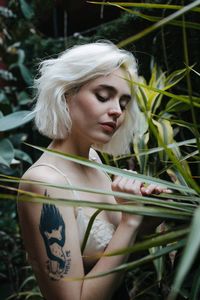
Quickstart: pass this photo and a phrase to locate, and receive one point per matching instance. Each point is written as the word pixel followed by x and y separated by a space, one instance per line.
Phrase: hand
pixel 132 186
pixel 135 187
pixel 153 189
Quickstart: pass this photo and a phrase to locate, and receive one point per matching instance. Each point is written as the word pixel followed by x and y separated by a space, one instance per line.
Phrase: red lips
pixel 109 126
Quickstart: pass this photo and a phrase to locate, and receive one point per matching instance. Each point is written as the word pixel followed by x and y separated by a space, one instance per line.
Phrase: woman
pixel 84 102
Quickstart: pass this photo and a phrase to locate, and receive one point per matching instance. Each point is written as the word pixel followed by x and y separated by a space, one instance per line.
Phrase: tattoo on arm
pixel 52 229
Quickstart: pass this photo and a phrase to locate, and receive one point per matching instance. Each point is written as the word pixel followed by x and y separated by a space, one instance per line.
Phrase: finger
pixel 167 191
pixel 136 187
pixel 119 184
pixel 150 189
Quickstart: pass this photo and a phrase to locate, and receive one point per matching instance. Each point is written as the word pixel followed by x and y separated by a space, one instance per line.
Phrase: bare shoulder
pixel 37 174
pixel 41 180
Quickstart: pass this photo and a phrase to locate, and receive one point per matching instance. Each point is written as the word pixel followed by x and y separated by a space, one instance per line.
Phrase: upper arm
pixel 51 239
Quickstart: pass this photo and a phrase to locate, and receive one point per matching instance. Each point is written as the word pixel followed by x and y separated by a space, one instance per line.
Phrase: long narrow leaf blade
pixel 190 251
pixel 114 170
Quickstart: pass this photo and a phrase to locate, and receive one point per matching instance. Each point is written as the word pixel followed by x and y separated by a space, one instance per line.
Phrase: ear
pixel 69 95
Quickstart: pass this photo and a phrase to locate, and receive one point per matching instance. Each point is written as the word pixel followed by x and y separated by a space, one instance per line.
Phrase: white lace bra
pixel 100 234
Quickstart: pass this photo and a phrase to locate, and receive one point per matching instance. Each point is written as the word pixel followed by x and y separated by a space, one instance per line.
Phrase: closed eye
pixel 101 98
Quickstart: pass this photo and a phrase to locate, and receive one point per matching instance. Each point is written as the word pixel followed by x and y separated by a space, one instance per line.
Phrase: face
pixel 97 110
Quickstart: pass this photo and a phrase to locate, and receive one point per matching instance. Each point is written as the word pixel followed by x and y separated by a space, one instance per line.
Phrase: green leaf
pixel 170 146
pixel 132 209
pixel 113 170
pixel 191 249
pixel 144 5
pixel 26 9
pixel 195 290
pixel 182 98
pixel 21 56
pixel 158 263
pixel 140 262
pixel 160 240
pixel 15 120
pixel 174 78
pixel 89 227
pixel 157 201
pixel 6 152
pixel 151 18
pixel 173 105
pixel 159 24
pixel 26 74
pixel 22 156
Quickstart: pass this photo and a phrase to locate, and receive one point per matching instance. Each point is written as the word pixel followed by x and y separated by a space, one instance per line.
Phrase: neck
pixel 67 146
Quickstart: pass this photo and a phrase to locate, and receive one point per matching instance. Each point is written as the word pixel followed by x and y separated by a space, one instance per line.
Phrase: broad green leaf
pixel 26 74
pixel 165 133
pixel 26 9
pixel 21 56
pixel 191 249
pixel 15 120
pixel 22 156
pixel 184 172
pixel 23 98
pixel 6 152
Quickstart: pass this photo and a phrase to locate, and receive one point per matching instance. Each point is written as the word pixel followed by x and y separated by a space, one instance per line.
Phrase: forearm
pixel 102 288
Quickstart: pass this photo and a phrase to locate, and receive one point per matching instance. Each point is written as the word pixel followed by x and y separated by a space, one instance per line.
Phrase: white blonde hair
pixel 64 75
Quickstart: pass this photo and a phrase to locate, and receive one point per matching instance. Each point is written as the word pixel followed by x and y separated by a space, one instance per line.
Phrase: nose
pixel 115 110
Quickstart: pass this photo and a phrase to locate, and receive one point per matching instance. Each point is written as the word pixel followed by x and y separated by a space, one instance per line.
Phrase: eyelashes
pixel 101 98
pixel 123 103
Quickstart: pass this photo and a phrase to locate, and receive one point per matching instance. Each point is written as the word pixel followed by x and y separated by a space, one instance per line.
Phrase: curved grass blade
pixel 188 256
pixel 160 240
pixel 89 227
pixel 168 94
pixel 159 24
pixel 113 170
pixel 128 196
pixel 150 18
pixel 137 263
pixel 132 209
pixel 158 149
pixel 144 5
pixel 195 290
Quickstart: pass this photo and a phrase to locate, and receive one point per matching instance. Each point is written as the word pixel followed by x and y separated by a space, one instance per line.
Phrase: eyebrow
pixel 113 90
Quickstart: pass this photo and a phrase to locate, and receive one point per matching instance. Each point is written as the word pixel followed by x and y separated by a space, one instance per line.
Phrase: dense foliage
pixel 166 147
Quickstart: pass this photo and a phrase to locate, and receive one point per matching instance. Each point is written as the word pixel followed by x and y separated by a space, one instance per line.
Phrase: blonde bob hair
pixel 64 75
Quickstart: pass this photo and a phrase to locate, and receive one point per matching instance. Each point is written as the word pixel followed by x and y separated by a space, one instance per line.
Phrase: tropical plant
pixel 166 152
